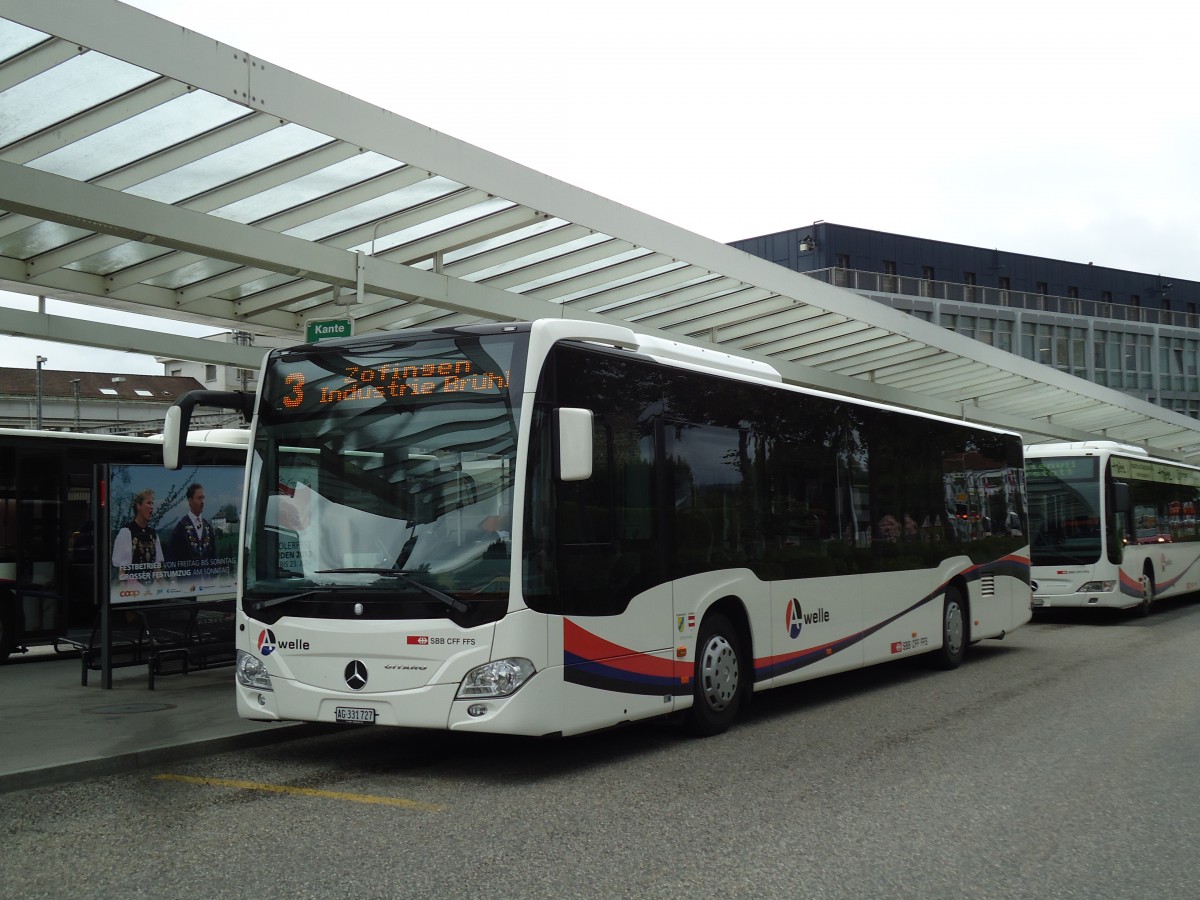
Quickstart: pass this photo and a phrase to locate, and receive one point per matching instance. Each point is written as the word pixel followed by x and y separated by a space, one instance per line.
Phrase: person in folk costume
pixel 137 544
pixel 193 537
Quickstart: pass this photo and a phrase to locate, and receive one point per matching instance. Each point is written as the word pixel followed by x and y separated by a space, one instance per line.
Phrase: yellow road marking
pixel 307 792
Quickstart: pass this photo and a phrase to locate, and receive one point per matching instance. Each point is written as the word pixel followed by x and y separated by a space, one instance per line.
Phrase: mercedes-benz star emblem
pixel 356 675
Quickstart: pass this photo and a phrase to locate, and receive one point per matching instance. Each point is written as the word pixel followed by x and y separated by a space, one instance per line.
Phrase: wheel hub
pixel 719 673
pixel 954 628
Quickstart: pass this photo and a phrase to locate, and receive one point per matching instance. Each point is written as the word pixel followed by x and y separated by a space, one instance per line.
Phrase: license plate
pixel 354 714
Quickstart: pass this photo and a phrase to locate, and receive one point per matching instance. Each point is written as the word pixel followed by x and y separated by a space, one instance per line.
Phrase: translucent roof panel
pixel 448 222
pixel 65 91
pixel 191 274
pixel 376 209
pixel 307 188
pixel 539 256
pixel 142 135
pixel 504 240
pixel 150 169
pixel 16 39
pixel 121 257
pixel 39 238
pixel 230 164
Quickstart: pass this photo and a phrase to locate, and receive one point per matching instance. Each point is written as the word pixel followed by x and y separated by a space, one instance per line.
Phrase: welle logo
pixel 797 618
pixel 266 642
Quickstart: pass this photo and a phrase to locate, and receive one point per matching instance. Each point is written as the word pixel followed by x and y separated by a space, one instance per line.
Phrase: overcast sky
pixel 1054 128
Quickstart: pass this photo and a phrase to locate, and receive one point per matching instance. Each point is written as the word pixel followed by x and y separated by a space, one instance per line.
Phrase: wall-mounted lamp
pixel 75 388
pixel 807 244
pixel 40 361
pixel 118 379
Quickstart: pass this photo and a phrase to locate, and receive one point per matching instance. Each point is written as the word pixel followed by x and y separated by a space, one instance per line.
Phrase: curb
pixel 49 776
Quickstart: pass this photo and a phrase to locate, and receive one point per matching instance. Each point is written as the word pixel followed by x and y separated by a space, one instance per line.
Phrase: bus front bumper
pixel 1052 593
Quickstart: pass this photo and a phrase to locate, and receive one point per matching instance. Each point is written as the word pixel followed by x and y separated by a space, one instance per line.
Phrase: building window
pixel 969 289
pixel 1135 300
pixel 1106 296
pixel 889 276
pixel 1004 335
pixel 1028 340
pixel 843 260
pixel 175 372
pixel 985 331
pixel 210 373
pixel 1043 288
pixel 1079 352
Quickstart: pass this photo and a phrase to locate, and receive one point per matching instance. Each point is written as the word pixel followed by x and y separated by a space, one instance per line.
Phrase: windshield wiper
pixel 259 605
pixel 453 602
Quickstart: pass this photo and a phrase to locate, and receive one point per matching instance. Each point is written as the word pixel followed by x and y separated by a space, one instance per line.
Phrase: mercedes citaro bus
pixel 558 526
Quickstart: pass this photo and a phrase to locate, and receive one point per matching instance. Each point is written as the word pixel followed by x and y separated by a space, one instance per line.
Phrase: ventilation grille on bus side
pixel 987 585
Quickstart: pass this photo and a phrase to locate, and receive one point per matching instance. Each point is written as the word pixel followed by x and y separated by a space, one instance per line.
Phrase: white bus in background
pixel 50 503
pixel 1111 526
pixel 553 527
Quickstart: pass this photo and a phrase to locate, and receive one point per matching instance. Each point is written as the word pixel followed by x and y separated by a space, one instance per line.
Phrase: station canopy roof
pixel 147 168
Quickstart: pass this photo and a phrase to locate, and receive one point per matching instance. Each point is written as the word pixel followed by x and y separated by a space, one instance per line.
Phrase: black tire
pixel 8 626
pixel 955 631
pixel 718 677
pixel 1148 589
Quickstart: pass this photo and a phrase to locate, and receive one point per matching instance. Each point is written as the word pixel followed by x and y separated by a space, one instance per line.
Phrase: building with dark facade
pixel 1130 331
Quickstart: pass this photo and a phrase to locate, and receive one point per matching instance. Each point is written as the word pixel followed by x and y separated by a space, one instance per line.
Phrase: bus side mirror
pixel 574 444
pixel 1120 497
pixel 178 420
pixel 173 438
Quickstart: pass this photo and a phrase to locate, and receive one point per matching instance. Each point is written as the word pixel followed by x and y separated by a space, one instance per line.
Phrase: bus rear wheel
pixel 717 680
pixel 954 631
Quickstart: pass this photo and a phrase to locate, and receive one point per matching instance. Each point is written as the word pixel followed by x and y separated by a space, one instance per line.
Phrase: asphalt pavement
pixel 56 730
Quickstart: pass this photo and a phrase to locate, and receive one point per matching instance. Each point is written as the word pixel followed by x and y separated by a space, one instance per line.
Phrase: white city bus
pixel 553 527
pixel 1111 526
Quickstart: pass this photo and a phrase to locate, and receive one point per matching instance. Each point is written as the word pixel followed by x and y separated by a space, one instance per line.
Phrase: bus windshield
pixel 1064 505
pixel 382 475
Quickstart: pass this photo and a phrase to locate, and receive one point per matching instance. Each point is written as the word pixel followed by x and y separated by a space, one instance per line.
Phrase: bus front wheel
pixel 8 625
pixel 954 631
pixel 717 679
pixel 1143 608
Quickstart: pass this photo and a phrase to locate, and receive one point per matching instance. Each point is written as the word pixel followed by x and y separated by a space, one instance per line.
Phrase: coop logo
pixel 796 618
pixel 131 593
pixel 266 642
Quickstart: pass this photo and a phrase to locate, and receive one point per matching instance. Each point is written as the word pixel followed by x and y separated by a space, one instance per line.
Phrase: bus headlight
pixel 1097 587
pixel 498 678
pixel 251 672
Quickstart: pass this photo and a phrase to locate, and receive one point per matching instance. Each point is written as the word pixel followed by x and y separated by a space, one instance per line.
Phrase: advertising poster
pixel 174 535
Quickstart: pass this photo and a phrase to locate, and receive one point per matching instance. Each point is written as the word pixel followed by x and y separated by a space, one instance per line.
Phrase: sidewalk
pixel 56 730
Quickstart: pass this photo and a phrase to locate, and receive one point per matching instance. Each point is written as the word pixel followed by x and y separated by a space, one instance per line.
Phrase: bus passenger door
pixel 39 544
